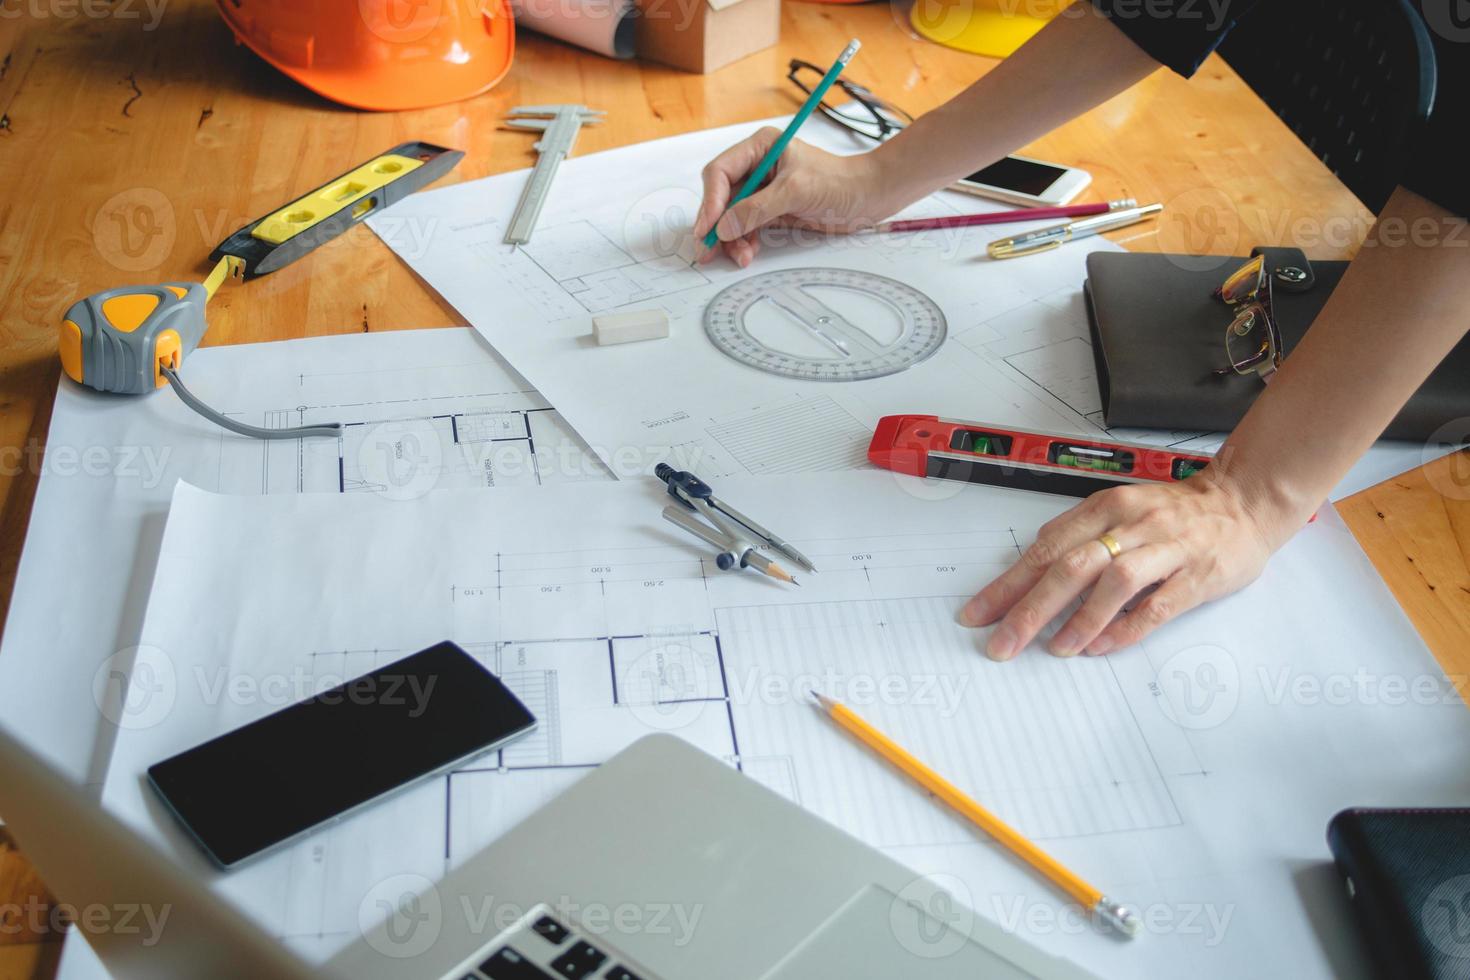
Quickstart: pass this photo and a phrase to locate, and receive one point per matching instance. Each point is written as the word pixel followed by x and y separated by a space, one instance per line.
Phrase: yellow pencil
pixel 1115 914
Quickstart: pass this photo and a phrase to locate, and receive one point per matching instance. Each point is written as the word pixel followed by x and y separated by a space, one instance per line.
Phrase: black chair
pixel 1354 79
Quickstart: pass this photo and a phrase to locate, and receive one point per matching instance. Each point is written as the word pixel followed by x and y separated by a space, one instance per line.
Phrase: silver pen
pixel 1053 236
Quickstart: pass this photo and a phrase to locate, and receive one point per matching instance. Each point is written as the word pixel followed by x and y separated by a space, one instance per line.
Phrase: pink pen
pixel 1002 217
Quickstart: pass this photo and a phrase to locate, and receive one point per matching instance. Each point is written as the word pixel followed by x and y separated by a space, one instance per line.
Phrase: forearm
pixel 1072 64
pixel 1399 309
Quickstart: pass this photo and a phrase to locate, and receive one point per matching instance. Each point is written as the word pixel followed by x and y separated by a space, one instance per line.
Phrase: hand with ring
pixel 1194 540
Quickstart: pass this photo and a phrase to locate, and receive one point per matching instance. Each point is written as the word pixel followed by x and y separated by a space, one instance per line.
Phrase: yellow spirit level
pixel 132 339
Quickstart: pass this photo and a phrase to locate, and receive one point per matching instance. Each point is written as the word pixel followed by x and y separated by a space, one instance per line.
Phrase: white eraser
pixel 624 328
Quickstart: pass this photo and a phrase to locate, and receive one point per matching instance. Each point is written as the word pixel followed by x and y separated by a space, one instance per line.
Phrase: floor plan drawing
pixel 1016 351
pixel 607 645
pixel 798 435
pixel 421 409
pixel 576 266
pixel 600 275
pixel 465 436
pixel 1004 343
pixel 1133 767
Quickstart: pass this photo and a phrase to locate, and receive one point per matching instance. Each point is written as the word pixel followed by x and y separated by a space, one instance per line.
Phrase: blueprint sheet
pixel 1192 776
pixel 615 235
pixel 422 408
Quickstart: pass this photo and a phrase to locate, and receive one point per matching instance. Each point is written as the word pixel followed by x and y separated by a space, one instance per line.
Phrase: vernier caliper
pixel 559 125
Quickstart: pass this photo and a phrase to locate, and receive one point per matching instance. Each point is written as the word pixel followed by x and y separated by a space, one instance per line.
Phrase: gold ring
pixel 1111 543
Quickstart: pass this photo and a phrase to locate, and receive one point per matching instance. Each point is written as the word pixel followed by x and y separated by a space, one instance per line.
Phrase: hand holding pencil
pixel 773 179
pixel 843 200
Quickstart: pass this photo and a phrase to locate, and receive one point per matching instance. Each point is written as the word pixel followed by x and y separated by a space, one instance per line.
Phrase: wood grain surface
pixel 131 146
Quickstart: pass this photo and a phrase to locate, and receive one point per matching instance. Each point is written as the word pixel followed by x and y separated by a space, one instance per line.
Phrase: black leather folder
pixel 1158 333
pixel 1407 876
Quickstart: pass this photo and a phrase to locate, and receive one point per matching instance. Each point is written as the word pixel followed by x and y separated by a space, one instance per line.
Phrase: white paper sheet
pixel 441 398
pixel 1192 776
pixel 614 235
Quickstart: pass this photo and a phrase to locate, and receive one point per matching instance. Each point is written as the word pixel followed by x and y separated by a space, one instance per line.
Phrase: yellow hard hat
pixel 990 27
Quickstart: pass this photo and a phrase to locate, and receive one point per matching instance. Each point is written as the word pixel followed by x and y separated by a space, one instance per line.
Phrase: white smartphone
pixel 1027 182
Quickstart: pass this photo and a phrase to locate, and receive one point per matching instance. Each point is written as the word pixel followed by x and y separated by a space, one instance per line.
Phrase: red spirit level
pixel 973 452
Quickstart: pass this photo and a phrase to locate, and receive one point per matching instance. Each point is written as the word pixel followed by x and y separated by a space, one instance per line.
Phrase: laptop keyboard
pixel 542 947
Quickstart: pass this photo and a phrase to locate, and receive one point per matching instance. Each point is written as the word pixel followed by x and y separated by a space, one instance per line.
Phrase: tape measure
pixel 121 339
pixel 824 324
pixel 974 452
pixel 132 339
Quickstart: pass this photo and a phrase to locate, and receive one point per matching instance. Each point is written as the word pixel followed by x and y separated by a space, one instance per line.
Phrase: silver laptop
pixel 662 864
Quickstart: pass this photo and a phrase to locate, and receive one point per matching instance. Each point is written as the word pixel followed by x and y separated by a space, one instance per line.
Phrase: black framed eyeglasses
pixel 1252 341
pixel 867 115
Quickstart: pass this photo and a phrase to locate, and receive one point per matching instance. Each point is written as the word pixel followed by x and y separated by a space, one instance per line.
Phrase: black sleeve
pixel 1178 35
pixel 1437 168
pixel 1182 33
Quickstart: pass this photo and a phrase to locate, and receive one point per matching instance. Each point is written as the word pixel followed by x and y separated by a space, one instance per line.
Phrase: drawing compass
pixel 737 536
pixel 559 125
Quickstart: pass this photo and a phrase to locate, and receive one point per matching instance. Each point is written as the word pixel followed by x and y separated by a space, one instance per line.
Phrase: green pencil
pixel 777 148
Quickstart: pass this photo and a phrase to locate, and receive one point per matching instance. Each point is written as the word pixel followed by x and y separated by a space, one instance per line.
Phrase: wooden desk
pixel 129 153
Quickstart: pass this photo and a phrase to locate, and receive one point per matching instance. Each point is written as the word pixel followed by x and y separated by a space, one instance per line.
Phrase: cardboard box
pixel 703 35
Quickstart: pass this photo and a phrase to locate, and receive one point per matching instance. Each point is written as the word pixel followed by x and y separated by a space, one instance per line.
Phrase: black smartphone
pixel 273 780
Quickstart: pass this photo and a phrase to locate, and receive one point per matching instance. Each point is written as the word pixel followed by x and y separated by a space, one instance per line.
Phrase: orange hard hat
pixel 381 54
